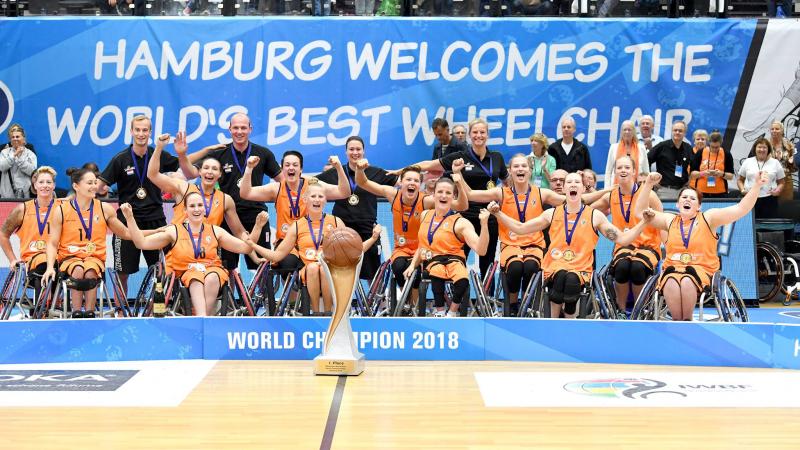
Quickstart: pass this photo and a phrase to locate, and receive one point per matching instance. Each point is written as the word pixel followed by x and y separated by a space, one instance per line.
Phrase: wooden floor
pixel 392 405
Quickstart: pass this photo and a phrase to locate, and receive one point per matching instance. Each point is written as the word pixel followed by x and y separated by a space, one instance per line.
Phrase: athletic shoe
pixel 88 315
pixel 452 314
pixel 438 313
pixel 78 315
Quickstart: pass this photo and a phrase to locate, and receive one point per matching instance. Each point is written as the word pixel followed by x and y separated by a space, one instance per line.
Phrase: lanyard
pixel 403 220
pixel 316 240
pixel 43 223
pixel 432 231
pixel 521 212
pixel 626 214
pixel 478 160
pixel 140 173
pixel 198 250
pixel 294 205
pixel 685 237
pixel 709 164
pixel 350 180
pixel 88 229
pixel 236 157
pixel 210 200
pixel 567 231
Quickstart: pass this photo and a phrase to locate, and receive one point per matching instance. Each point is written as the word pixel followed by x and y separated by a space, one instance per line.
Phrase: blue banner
pixel 308 83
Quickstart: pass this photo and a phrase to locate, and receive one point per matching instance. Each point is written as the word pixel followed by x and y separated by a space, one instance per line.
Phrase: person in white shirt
pixel 767 203
pixel 646 135
pixel 628 145
pixel 17 163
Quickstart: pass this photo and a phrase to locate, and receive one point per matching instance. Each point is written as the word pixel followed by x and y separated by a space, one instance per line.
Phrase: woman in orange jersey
pixel 78 239
pixel 520 255
pixel 193 249
pixel 632 264
pixel 289 196
pixel 442 236
pixel 712 168
pixel 31 222
pixel 573 234
pixel 407 202
pixel 691 258
pixel 305 236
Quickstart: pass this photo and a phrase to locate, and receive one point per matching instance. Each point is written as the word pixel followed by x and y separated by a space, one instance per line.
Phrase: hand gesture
pixel 409 271
pixel 252 162
pixel 18 151
pixel 245 236
pixel 48 275
pixel 162 141
pixel 648 215
pixel 261 219
pixel 761 179
pixel 458 165
pixel 16 261
pixel 333 161
pixel 376 231
pixel 492 208
pixel 180 143
pixel 362 164
pixel 654 178
pixel 483 216
pixel 126 210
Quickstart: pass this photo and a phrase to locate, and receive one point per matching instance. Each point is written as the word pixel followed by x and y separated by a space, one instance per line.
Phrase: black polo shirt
pixel 231 174
pixel 577 159
pixel 475 176
pixel 666 157
pixel 366 211
pixel 454 146
pixel 121 171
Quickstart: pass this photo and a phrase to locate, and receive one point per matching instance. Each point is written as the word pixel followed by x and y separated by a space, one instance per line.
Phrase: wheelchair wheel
pixel 528 299
pixel 482 306
pixel 645 306
pixel 407 288
pixel 145 293
pixel 770 271
pixel 735 309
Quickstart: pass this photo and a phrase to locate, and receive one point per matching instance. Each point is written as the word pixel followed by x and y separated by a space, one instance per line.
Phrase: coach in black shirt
pixel 233 159
pixel 128 170
pixel 446 143
pixel 672 159
pixel 360 210
pixel 570 154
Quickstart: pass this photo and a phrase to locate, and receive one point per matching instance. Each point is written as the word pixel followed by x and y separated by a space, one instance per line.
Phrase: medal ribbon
pixel 314 239
pixel 140 173
pixel 685 237
pixel 88 229
pixel 521 212
pixel 567 231
pixel 294 206
pixel 351 180
pixel 195 244
pixel 432 231
pixel 478 160
pixel 403 221
pixel 43 223
pixel 236 157
pixel 210 200
pixel 626 214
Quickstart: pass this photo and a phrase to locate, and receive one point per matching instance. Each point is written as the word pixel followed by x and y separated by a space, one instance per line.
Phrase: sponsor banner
pixel 786 347
pixel 381 339
pixel 308 83
pixel 33 341
pixel 630 342
pixel 740 389
pixel 107 384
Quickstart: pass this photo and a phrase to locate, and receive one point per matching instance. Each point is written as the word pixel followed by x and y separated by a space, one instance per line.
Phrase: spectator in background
pixel 672 159
pixel 783 150
pixel 557 179
pixel 570 154
pixel 712 168
pixel 785 5
pixel 767 203
pixel 17 163
pixel 628 145
pixel 446 144
pixel 365 7
pixel 460 133
pixel 646 135
pixel 542 163
pixel 18 127
pixel 700 138
pixel 589 180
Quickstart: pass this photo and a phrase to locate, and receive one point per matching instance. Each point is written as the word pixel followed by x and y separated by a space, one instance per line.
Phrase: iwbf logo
pixel 620 387
pixel 6 106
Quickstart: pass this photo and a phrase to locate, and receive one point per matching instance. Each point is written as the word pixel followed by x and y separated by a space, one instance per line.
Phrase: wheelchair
pixel 54 298
pixel 15 292
pixel 722 294
pixel 233 299
pixel 377 300
pixel 594 300
pixel 480 308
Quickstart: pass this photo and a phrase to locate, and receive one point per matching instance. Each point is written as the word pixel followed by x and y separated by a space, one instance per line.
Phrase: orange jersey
pixel 305 244
pixel 511 205
pixel 31 243
pixel 283 210
pixel 406 241
pixel 181 255
pixel 74 241
pixel 577 256
pixel 215 216
pixel 649 237
pixel 709 162
pixel 701 252
pixel 632 151
pixel 445 241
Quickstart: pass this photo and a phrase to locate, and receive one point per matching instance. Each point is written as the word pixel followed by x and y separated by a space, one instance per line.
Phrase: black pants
pixel 372 259
pixel 486 260
pixel 248 219
pixel 766 207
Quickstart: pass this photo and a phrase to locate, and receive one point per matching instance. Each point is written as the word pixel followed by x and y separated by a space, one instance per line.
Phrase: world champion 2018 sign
pixel 308 84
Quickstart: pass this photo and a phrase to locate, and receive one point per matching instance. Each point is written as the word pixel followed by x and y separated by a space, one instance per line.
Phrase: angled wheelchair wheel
pixel 770 271
pixel 258 293
pixel 244 305
pixel 404 296
pixel 735 309
pixel 13 290
pixel 527 305
pixel 482 307
pixel 145 293
pixel 648 305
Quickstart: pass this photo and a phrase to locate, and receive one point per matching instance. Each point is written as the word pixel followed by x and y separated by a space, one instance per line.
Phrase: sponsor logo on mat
pixel 64 380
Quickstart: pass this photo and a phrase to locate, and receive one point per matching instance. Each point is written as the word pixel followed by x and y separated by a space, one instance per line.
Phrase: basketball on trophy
pixel 341 247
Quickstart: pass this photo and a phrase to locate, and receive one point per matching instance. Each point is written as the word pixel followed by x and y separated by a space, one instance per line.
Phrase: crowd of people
pixel 544 208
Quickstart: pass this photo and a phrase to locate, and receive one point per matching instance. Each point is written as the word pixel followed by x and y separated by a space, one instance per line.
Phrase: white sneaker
pixel 439 313
pixel 452 314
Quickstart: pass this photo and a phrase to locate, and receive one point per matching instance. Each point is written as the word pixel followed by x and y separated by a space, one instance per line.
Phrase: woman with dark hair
pixel 691 248
pixel 78 240
pixel 712 168
pixel 749 173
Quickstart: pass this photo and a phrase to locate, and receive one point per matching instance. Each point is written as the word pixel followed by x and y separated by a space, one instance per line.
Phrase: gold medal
pixel 141 193
pixel 311 254
pixel 569 255
pixel 90 247
pixel 686 258
pixel 490 184
pixel 401 240
pixel 285 227
pixel 40 245
pixel 428 255
pixel 199 267
pixel 353 200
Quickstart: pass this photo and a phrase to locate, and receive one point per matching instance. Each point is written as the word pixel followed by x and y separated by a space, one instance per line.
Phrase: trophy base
pixel 324 365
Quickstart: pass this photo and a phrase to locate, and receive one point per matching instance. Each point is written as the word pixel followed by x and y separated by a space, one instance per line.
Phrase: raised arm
pixel 531 226
pixel 12 223
pixel 376 234
pixel 283 249
pixel 368 185
pixel 342 188
pixel 718 217
pixel 114 224
pixel 645 189
pixel 163 181
pixel 461 202
pixel 481 196
pixel 479 243
pixel 155 241
pixel 613 234
pixel 242 244
pixel 265 193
